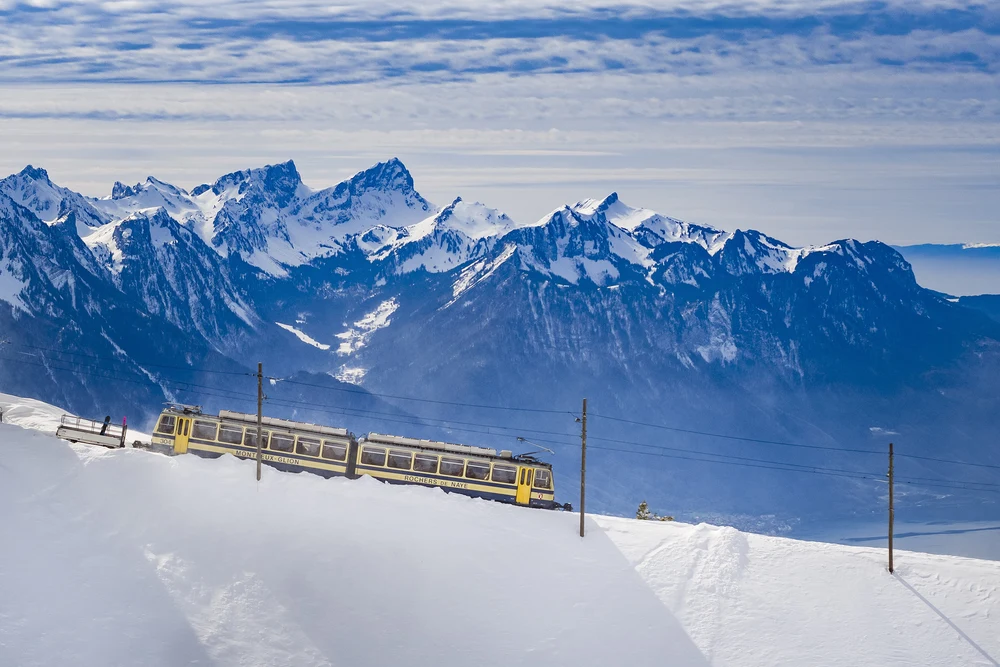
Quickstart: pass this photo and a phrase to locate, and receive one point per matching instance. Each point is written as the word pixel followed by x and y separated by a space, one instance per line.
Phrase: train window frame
pixel 333 445
pixel 201 424
pixel 399 454
pixel 282 436
pixel 548 482
pixel 448 460
pixel 426 457
pixel 477 465
pixel 503 468
pixel 251 434
pixel 232 428
pixel 366 451
pixel 173 424
pixel 302 449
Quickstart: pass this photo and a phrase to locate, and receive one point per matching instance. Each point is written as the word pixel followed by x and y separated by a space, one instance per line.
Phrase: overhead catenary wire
pixel 398 397
pixel 452 425
pixel 949 461
pixel 129 360
pixel 748 462
pixel 725 436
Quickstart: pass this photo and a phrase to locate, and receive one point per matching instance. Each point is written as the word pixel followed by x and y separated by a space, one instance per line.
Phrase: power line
pixel 130 360
pixel 452 425
pixel 948 481
pixel 957 463
pixel 723 456
pixel 817 470
pixel 945 486
pixel 147 381
pixel 725 436
pixel 425 400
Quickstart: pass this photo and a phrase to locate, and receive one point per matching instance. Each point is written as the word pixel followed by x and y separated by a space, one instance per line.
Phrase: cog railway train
pixel 323 450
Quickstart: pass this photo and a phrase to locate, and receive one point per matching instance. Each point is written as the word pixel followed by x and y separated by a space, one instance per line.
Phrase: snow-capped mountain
pixel 32 189
pixel 157 262
pixel 367 282
pixel 273 221
pixel 458 234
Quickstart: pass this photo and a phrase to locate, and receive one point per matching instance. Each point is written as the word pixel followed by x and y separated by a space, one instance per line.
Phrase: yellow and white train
pixel 302 447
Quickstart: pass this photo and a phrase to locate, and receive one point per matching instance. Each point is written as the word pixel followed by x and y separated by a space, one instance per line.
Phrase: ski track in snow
pixel 312 572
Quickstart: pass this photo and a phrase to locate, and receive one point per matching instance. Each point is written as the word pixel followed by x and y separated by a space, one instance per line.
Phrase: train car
pixel 473 471
pixel 303 447
pixel 286 445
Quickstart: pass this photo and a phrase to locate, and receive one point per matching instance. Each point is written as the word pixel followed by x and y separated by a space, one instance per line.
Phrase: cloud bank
pixel 810 120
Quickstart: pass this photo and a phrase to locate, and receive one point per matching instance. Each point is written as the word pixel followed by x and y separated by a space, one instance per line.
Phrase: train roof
pixel 283 423
pixel 469 450
pixel 251 420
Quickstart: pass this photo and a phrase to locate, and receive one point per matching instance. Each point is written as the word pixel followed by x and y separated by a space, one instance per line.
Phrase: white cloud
pixel 764 112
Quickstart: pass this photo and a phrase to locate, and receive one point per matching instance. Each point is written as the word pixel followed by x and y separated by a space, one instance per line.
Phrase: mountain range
pixel 373 308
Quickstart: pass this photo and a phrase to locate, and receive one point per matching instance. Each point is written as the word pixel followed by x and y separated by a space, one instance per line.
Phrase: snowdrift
pixel 123 557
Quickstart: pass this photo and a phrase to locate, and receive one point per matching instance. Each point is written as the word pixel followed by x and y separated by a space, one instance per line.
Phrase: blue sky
pixel 808 120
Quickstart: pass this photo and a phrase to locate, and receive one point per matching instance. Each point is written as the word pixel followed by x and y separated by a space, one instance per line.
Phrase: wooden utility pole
pixel 260 412
pixel 583 465
pixel 892 509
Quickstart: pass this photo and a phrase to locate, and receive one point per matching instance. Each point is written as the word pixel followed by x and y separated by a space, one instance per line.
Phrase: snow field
pixel 748 599
pixel 121 557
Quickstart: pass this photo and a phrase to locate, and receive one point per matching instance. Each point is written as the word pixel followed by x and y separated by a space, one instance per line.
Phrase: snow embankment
pixel 120 557
pixel 29 413
pixel 38 416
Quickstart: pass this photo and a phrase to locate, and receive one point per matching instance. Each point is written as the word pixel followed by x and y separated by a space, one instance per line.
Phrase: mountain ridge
pixel 369 283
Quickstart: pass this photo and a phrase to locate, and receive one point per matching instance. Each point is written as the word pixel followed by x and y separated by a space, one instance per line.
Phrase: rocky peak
pixel 389 175
pixel 35 174
pixel 121 191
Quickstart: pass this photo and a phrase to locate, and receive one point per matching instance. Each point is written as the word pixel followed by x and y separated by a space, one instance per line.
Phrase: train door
pixel 524 486
pixel 183 434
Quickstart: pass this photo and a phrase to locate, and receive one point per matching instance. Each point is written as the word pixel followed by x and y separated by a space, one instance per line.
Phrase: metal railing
pixel 92 427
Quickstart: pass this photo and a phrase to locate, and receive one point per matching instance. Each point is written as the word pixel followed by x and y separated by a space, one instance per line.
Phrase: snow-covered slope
pixel 649 227
pixel 30 414
pixel 459 233
pixel 32 189
pixel 163 265
pixel 116 557
pixel 273 221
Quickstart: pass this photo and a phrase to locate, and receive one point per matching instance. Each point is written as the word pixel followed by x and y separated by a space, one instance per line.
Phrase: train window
pixel 231 434
pixel 504 474
pixel 166 425
pixel 425 463
pixel 452 466
pixel 543 479
pixel 400 460
pixel 477 470
pixel 338 451
pixel 373 457
pixel 251 438
pixel 205 430
pixel 282 442
pixel 307 446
